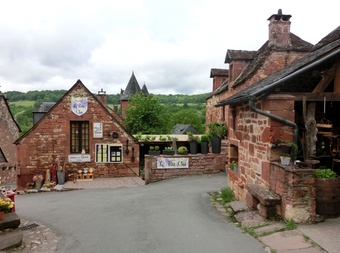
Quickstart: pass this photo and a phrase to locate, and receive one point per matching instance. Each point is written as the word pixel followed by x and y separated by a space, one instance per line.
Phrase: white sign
pixel 172 163
pixel 79 158
pixel 78 105
pixel 97 130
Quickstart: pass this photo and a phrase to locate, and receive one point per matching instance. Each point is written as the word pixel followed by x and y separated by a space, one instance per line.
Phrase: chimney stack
pixel 279 29
pixel 102 97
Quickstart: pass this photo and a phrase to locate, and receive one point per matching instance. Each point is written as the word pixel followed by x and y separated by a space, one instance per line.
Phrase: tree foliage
pixel 146 115
pixel 168 110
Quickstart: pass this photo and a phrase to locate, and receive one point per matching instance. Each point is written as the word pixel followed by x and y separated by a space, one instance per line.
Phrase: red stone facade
pixel 250 138
pixel 9 132
pixel 250 133
pixel 51 138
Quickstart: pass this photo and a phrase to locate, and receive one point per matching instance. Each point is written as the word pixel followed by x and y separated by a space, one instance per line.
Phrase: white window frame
pixel 108 153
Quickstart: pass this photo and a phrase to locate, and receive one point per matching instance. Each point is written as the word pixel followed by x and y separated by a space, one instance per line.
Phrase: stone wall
pixel 250 138
pixel 198 164
pixel 9 132
pixel 8 174
pixel 296 187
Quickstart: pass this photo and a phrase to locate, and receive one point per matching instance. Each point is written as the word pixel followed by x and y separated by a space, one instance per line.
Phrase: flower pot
pixel 61 177
pixel 168 152
pixel 204 147
pixel 182 153
pixel 216 145
pixel 38 185
pixel 2 215
pixel 154 152
pixel 193 147
pixel 285 160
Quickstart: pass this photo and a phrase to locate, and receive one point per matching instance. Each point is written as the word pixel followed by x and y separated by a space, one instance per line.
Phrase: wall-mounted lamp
pixel 19 169
pixel 133 154
pixel 114 135
pixel 127 147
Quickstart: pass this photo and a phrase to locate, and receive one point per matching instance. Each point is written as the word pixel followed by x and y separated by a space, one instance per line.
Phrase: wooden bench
pixel 263 199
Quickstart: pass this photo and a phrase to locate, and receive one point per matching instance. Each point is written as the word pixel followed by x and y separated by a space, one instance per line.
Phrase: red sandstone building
pixel 278 92
pixel 82 132
pixel 9 132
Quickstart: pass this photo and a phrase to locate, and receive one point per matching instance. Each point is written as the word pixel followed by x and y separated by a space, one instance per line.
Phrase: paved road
pixel 169 216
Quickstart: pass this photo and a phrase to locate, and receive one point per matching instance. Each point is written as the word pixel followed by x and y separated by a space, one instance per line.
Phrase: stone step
pixel 11 220
pixel 10 239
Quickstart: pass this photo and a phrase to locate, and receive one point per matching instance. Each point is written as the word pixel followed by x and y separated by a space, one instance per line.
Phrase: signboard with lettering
pixel 172 162
pixel 79 105
pixel 79 158
pixel 97 130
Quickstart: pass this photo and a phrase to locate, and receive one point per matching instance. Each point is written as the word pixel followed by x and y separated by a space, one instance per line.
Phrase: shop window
pixel 79 137
pixel 106 153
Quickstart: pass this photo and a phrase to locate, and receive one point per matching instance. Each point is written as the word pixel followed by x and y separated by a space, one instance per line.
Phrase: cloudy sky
pixel 171 45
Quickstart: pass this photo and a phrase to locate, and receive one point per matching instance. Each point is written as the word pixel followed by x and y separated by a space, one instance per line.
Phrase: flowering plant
pixel 6 205
pixel 37 178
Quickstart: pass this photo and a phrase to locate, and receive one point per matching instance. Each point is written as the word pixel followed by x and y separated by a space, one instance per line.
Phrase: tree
pixel 189 116
pixel 146 115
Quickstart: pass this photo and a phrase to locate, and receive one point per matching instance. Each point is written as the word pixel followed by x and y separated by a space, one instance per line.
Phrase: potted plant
pixel 193 142
pixel 290 148
pixel 154 150
pixel 234 166
pixel 217 131
pixel 168 151
pixel 37 179
pixel 6 205
pixel 182 150
pixel 327 185
pixel 204 144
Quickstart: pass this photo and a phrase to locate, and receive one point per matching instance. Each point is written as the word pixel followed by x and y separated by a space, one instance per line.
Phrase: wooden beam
pixel 314 97
pixel 327 76
pixel 337 76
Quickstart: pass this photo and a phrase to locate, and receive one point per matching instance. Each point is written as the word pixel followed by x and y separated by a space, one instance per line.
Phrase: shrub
pixel 325 173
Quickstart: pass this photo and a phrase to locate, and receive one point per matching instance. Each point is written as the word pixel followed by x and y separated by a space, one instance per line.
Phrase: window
pixel 109 153
pixel 79 136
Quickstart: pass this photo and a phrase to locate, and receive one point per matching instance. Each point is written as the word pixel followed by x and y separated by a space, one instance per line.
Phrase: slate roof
pixel 239 55
pixel 219 72
pixel 183 129
pixel 328 47
pixel 297 44
pixel 131 89
pixel 44 107
pixel 145 90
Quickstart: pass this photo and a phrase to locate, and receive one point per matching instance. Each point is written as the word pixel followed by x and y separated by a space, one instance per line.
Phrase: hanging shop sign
pixel 79 105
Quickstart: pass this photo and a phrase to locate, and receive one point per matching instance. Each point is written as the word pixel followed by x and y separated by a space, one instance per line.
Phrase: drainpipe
pixel 276 118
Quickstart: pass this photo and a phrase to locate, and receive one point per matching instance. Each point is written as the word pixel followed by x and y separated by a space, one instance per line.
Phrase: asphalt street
pixel 169 216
